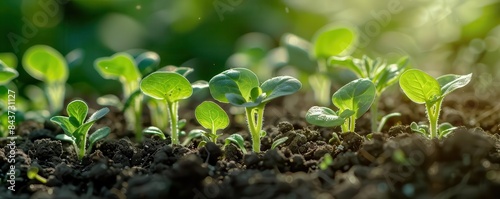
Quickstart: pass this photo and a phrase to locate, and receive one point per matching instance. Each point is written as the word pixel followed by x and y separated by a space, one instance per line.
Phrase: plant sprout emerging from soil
pixel 379 72
pixel 352 100
pixel 48 65
pixel 213 117
pixel 33 174
pixel 422 88
pixel 169 87
pixel 240 87
pixel 238 140
pixel 310 58
pixel 76 128
pixel 121 66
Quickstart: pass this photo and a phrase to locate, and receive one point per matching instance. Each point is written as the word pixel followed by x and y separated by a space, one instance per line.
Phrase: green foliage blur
pixel 451 36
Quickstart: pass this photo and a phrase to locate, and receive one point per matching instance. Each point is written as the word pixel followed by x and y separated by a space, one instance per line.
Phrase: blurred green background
pixel 443 36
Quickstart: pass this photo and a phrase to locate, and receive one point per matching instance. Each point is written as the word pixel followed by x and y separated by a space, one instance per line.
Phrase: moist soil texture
pixel 394 163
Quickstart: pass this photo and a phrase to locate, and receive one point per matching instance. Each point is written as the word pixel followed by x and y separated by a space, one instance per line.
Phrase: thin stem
pixel 137 120
pixel 174 117
pixel 345 126
pixel 374 114
pixel 352 123
pixel 55 96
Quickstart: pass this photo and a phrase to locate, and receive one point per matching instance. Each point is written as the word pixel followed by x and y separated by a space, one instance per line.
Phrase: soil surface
pixel 394 163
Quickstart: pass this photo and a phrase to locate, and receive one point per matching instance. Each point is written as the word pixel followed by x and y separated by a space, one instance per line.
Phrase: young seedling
pixel 33 174
pixel 422 88
pixel 76 128
pixel 46 64
pixel 380 73
pixel 213 117
pixel 240 87
pixel 170 87
pixel 310 58
pixel 352 100
pixel 122 67
pixel 238 140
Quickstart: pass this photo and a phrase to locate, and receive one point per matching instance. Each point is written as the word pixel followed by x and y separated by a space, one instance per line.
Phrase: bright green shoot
pixel 76 128
pixel 422 88
pixel 169 87
pixel 48 65
pixel 238 140
pixel 213 117
pixel 352 100
pixel 240 87
pixel 310 58
pixel 33 174
pixel 121 66
pixel 379 72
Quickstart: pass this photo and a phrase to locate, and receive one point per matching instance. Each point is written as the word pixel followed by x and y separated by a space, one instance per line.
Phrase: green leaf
pixel 280 86
pixel 110 100
pixel 323 116
pixel 196 133
pixel 155 131
pixel 82 131
pixel 120 66
pixel 211 116
pixel 181 123
pixel 65 124
pixel 169 86
pixel 184 71
pixel 46 64
pixel 445 128
pixel 419 86
pixel 333 40
pixel 98 115
pixel 348 62
pixel 238 140
pixel 346 113
pixel 99 134
pixel 236 81
pixel 199 85
pixel 298 53
pixel 357 95
pixel 449 83
pixel 278 142
pixel 147 61
pixel 77 109
pixel 386 75
pixel 7 74
pixel 65 137
pixel 239 101
pixel 9 59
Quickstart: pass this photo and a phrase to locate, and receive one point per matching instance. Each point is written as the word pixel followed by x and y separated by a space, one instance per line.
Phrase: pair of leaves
pixel 380 73
pixel 46 64
pixel 74 126
pixel 120 66
pixel 422 88
pixel 443 129
pixel 240 87
pixel 169 86
pixel 353 99
pixel 327 42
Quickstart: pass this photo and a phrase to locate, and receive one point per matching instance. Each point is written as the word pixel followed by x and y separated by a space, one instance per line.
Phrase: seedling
pixel 169 87
pixel 46 64
pixel 76 128
pixel 422 88
pixel 279 141
pixel 352 100
pixel 240 87
pixel 121 66
pixel 33 174
pixel 213 117
pixel 379 72
pixel 310 59
pixel 238 140
pixel 326 162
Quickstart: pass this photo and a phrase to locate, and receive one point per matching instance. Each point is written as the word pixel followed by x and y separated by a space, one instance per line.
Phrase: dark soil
pixel 394 163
